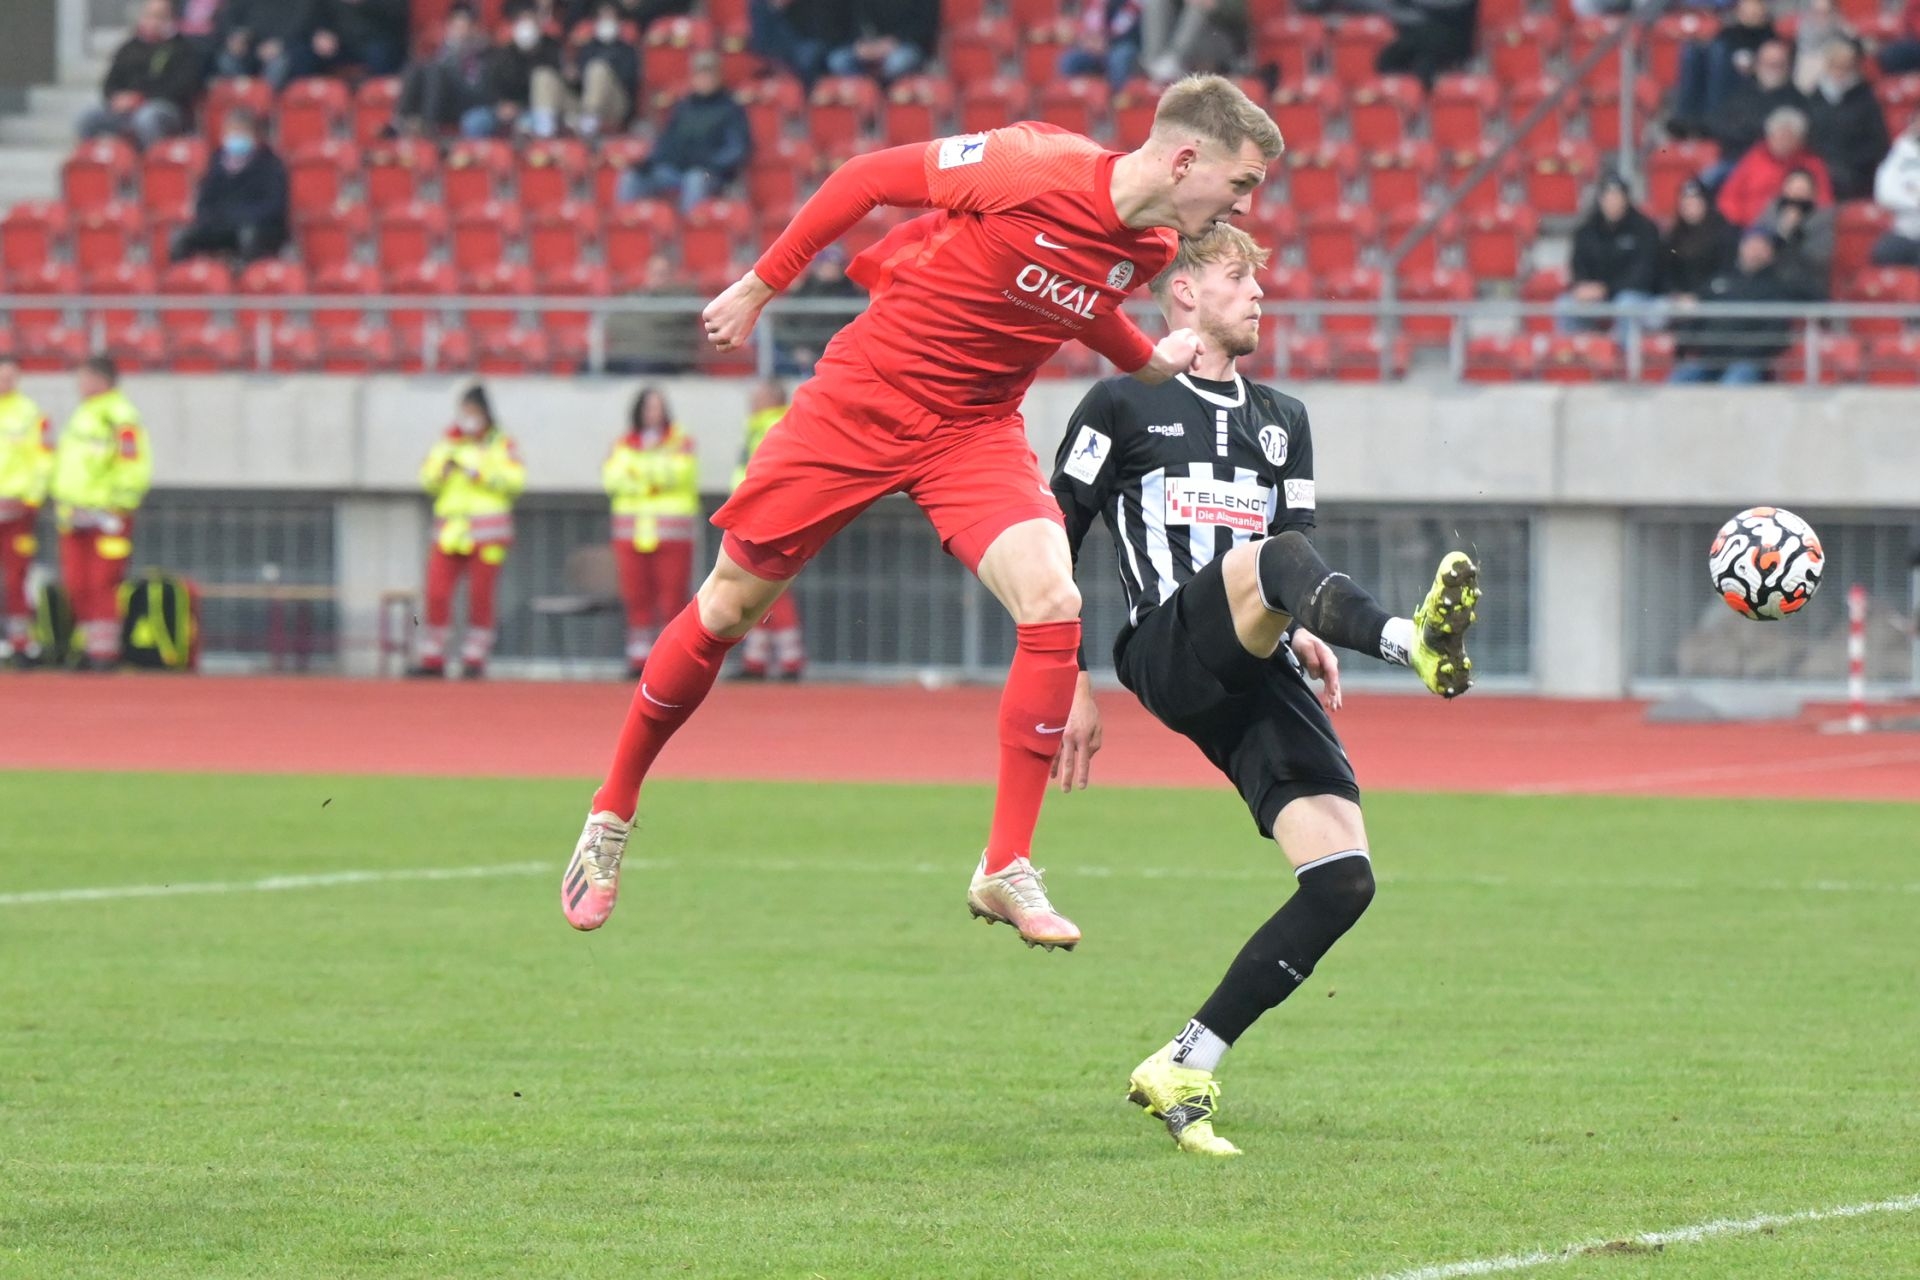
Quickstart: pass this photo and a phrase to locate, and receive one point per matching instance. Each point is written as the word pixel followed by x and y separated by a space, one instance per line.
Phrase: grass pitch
pixel 792 1054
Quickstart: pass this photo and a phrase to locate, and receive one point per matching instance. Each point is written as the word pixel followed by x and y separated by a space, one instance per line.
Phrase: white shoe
pixel 1016 895
pixel 592 882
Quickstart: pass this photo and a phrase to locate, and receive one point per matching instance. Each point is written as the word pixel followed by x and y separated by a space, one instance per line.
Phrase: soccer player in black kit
pixel 1206 483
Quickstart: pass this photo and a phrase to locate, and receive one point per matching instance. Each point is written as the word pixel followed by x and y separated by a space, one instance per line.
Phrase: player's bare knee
pixel 1056 601
pixel 730 608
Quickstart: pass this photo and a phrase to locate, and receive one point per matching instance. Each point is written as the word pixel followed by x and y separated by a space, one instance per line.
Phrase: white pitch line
pixel 1655 1239
pixel 270 884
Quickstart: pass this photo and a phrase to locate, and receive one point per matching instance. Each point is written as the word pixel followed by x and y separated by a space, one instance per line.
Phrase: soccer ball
pixel 1766 563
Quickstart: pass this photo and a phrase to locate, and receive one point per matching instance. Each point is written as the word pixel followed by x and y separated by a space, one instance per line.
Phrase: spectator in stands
pixel 1729 349
pixel 1802 235
pixel 804 338
pixel 603 75
pixel 1757 179
pixel 1616 255
pixel 1431 36
pixel 641 13
pixel 1182 36
pixel 1741 118
pixel 525 84
pixel 702 147
pixel 201 22
pixel 371 34
pixel 793 33
pixel 1817 25
pixel 151 84
pixel 885 39
pixel 1710 69
pixel 1106 41
pixel 1845 126
pixel 241 207
pixel 1896 188
pixel 1902 56
pixel 272 39
pixel 442 92
pixel 1701 245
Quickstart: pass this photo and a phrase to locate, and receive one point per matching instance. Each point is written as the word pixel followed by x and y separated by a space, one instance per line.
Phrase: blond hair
pixel 1222 242
pixel 1215 108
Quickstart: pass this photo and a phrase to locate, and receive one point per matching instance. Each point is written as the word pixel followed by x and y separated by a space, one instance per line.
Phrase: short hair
pixel 1220 111
pixel 1788 116
pixel 103 367
pixel 1222 242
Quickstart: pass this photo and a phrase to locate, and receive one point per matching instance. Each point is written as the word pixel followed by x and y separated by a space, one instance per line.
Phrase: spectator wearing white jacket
pixel 1896 188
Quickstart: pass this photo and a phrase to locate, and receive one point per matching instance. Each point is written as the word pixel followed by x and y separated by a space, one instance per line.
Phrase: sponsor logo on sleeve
pixel 1088 455
pixel 1121 276
pixel 967 148
pixel 1300 494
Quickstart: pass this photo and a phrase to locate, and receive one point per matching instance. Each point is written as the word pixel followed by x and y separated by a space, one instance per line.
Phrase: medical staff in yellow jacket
pixel 473 474
pixel 777 638
pixel 26 469
pixel 652 477
pixel 101 471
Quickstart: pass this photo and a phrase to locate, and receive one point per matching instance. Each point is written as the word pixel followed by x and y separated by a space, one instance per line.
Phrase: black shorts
pixel 1259 720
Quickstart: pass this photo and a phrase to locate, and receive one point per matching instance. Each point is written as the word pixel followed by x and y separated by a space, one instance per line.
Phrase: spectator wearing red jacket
pixel 1757 179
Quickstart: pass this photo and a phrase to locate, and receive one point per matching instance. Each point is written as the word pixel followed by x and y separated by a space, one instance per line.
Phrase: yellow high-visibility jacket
pixel 758 424
pixel 26 455
pixel 655 488
pixel 473 481
pixel 101 470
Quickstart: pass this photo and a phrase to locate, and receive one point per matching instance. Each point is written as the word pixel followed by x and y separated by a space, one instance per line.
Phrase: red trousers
pixel 93 581
pixel 655 585
pixel 17 547
pixel 481 568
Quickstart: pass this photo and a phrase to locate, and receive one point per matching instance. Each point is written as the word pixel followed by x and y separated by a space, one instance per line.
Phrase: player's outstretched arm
pixel 1176 353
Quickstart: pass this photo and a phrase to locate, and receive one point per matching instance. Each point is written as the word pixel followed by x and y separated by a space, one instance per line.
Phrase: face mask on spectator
pixel 471 423
pixel 607 30
pixel 238 146
pixel 526 33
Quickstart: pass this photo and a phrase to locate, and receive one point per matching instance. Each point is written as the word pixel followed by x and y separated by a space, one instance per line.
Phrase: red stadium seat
pixel 634 234
pixel 1433 286
pixel 317 175
pixel 1355 45
pixel 988 104
pixel 1559 177
pixel 916 109
pixel 477 171
pixel 1360 284
pixel 345 280
pixel 1857 227
pixel 407 235
pixel 1842 360
pixel 1497 242
pixel 359 348
pixel 1887 286
pixel 1899 101
pixel 291 348
pixel 1587 35
pixel 1079 104
pixel 138 348
pixel 331 237
pixel 312 110
pixel 1041 50
pixel 98 172
pixel 1460 110
pixel 420 332
pixel 163 227
pixel 1894 360
pixel 771 104
pixel 1668 168
pixel 841 111
pixel 1603 113
pixel 399 171
pixel 614 158
pixel 1355 357
pixel 1543 286
pixel 223 96
pixel 776 179
pixel 1132 109
pixel 1399 176
pixel 1582 357
pixel 1302 110
pixel 1319 176
pixel 1306 355
pixel 739 64
pixel 1281 283
pixel 551 171
pixel 1398 223
pixel 980 51
pixel 269 278
pixel 1499 359
pixel 170 172
pixel 1032 13
pixel 501 280
pixel 666 54
pixel 1495 14
pixel 196 277
pixel 373 107
pixel 46 280
pixel 569 330
pixel 1520 51
pixel 1527 95
pixel 558 237
pixel 512 350
pixel 1458 165
pixel 105 235
pixel 31 234
pixel 1378 110
pixel 1332 238
pixel 206 348
pixel 483 234
pixel 1294 44
pixel 715 230
pixel 1669 34
pixel 118 280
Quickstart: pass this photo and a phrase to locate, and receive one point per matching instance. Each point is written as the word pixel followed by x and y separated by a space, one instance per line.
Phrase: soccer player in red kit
pixel 1038 236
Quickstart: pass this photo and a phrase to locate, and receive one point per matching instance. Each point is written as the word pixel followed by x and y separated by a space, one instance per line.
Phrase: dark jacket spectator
pixel 885 39
pixel 1107 40
pixel 1701 245
pixel 151 83
pixel 452 87
pixel 241 206
pixel 603 72
pixel 1901 56
pixel 1616 248
pixel 701 148
pixel 272 39
pixel 1709 70
pixel 795 33
pixel 1846 128
pixel 1715 348
pixel 515 70
pixel 1802 236
pixel 1757 179
pixel 364 33
pixel 1432 36
pixel 1741 118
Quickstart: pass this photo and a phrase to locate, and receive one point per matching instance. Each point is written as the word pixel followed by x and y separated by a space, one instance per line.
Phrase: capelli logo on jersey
pixel 1061 291
pixel 1174 429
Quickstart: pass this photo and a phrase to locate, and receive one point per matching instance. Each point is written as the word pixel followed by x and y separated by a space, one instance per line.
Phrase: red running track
pixel 903 734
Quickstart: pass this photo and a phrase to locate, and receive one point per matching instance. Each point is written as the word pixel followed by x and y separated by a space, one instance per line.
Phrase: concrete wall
pixel 1584 456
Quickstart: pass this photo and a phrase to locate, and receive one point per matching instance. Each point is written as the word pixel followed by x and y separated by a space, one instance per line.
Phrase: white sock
pixel 1198 1048
pixel 1396 641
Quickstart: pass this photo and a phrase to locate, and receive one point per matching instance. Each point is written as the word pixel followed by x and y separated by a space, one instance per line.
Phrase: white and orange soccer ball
pixel 1766 563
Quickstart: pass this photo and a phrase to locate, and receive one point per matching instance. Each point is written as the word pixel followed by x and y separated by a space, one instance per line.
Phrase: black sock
pixel 1295 580
pixel 1333 892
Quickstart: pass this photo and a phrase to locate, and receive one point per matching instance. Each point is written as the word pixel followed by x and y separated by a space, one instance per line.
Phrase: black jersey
pixel 1182 473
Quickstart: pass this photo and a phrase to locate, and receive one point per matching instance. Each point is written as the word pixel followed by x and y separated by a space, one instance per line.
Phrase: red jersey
pixel 1025 252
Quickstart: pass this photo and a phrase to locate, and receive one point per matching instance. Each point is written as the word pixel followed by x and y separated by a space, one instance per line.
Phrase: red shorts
pixel 851 439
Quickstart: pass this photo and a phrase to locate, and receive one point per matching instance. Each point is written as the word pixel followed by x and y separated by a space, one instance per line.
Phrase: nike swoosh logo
pixel 1040 238
pixel 1041 728
pixel 671 706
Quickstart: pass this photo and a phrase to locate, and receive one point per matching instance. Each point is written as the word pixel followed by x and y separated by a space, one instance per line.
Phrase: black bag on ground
pixel 159 622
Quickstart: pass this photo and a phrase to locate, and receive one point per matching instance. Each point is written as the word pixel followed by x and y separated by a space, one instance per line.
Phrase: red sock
pixel 1038 696
pixel 680 671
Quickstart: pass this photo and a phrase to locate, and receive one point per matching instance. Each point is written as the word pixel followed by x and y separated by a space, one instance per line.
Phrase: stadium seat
pixel 841 111
pixel 1399 176
pixel 162 227
pixel 515 349
pixel 1032 13
pixel 1433 286
pixel 1361 284
pixel 1842 360
pixel 224 95
pixel 138 348
pixel 31 235
pixel 170 172
pixel 551 171
pixel 99 172
pixel 1520 51
pixel 1274 224
pixel 1319 176
pixel 44 280
pixel 1460 109
pixel 420 332
pixel 1379 110
pixel 196 277
pixel 988 104
pixel 714 232
pixel 1669 165
pixel 1306 355
pixel 1132 108
pixel 1281 283
pixel 500 280
pixel 291 348
pixel 1302 110
pixel 373 108
pixel 1495 14
pixel 915 109
pixel 327 238
pixel 269 278
pixel 979 51
pixel 105 235
pixel 1498 359
pixel 569 330
pixel 117 280
pixel 666 52
pixel 399 171
pixel 1671 33
pixel 1889 286
pixel 317 174
pixel 1354 47
pixel 1355 357
pixel 1543 286
pixel 1041 49
pixel 344 280
pixel 771 104
pixel 1523 98
pixel 1332 238
pixel 477 171
pixel 634 234
pixel 1580 357
pixel 1857 226
pixel 776 178
pixel 1398 223
pixel 1497 241
pixel 1559 177
pixel 358 348
pixel 1079 104
pixel 558 237
pixel 483 235
pixel 1894 360
pixel 1586 35
pixel 739 63
pixel 206 348
pixel 1899 101
pixel 1656 357
pixel 1295 45
pixel 614 157
pixel 1457 166
pixel 1603 113
pixel 409 234
pixel 312 110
